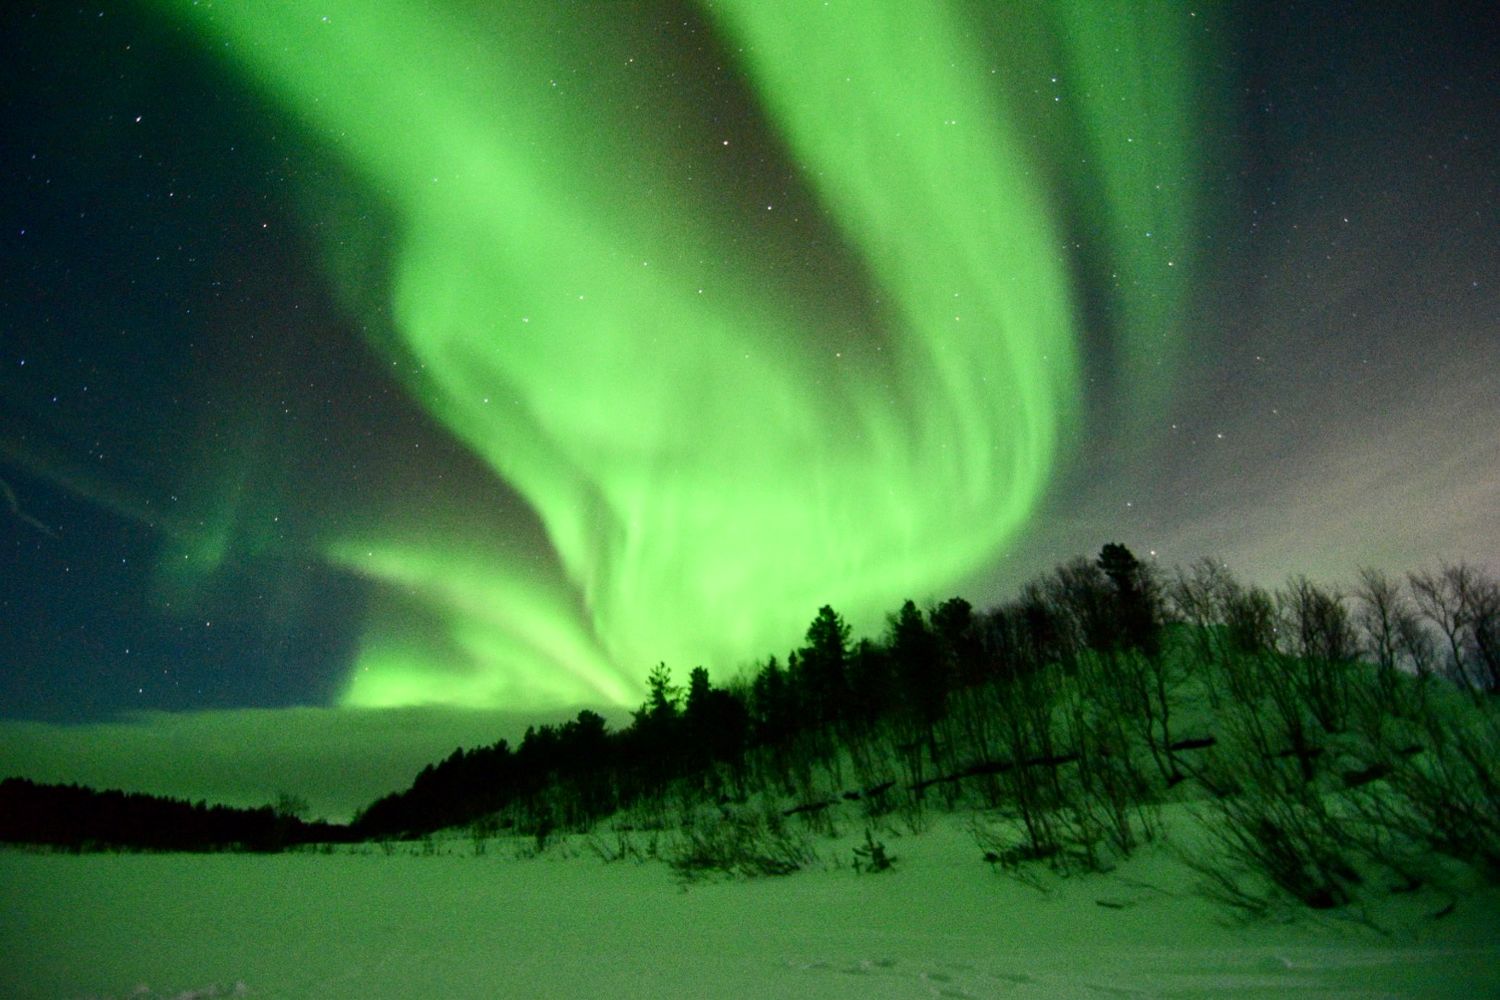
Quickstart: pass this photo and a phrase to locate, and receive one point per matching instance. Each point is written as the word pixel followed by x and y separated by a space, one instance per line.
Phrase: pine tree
pixel 1137 601
pixel 825 663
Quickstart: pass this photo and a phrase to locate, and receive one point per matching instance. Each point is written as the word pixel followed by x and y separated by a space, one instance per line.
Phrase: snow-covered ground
pixel 451 925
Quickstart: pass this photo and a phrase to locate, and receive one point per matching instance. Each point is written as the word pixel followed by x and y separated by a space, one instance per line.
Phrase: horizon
pixel 245 758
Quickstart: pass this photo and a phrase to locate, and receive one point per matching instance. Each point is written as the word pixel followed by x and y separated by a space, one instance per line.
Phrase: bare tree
pixel 1201 596
pixel 1464 605
pixel 1082 602
pixel 1481 602
pixel 1381 605
pixel 1317 633
pixel 1394 637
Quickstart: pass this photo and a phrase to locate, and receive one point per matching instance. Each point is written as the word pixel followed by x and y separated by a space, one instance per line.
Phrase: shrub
pixel 871 856
pixel 623 846
pixel 1446 798
pixel 746 843
pixel 1276 829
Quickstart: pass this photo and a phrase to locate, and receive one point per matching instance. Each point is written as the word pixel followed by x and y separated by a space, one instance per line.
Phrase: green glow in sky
pixel 712 454
pixel 1131 75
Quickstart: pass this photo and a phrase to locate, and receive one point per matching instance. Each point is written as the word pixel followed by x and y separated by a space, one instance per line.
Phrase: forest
pixel 76 818
pixel 1324 737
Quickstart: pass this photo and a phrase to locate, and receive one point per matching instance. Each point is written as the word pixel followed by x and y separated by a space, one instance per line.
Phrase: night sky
pixel 458 359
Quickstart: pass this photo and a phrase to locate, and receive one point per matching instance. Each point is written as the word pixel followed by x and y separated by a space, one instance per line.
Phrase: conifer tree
pixel 825 662
pixel 1137 600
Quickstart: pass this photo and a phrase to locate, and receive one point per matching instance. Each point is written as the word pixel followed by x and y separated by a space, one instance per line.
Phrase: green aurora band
pixel 714 454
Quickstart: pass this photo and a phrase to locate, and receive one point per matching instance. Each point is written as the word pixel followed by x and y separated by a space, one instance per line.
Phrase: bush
pixel 1276 829
pixel 1289 843
pixel 871 856
pixel 1445 799
pixel 623 846
pixel 745 843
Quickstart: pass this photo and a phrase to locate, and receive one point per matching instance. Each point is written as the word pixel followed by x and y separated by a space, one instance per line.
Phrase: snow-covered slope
pixel 412 924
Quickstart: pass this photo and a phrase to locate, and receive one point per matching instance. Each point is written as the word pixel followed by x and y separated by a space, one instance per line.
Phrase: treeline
pixel 1064 707
pixel 886 718
pixel 782 728
pixel 1321 734
pixel 72 817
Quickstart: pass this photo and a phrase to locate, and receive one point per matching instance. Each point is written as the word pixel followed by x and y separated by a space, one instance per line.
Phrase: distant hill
pixel 74 817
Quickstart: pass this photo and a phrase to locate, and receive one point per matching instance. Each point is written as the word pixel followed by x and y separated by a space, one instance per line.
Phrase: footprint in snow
pixel 941 984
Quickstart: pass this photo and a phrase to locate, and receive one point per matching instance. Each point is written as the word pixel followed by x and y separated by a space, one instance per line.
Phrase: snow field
pixel 445 923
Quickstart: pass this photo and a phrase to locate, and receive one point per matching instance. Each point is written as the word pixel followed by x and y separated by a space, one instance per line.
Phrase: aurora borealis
pixel 698 504
pixel 379 355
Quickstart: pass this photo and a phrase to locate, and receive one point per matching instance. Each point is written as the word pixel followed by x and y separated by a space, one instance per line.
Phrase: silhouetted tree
pixel 696 711
pixel 662 696
pixel 920 684
pixel 584 762
pixel 824 661
pixel 1039 628
pixel 871 685
pixel 954 627
pixel 654 731
pixel 1464 605
pixel 770 705
pixel 717 725
pixel 1137 599
pixel 1316 633
pixel 1083 605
